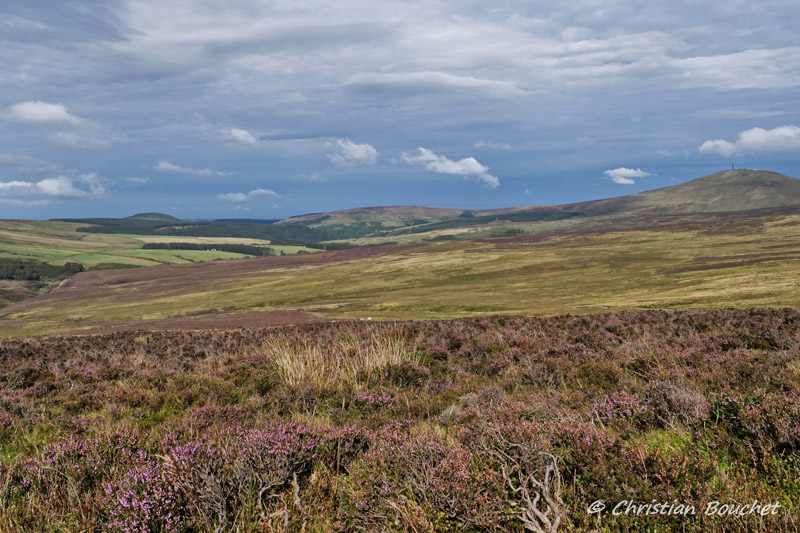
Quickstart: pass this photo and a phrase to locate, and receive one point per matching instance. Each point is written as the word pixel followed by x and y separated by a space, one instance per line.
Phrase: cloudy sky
pixel 265 109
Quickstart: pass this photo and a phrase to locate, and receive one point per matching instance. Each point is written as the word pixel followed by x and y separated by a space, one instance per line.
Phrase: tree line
pixel 259 251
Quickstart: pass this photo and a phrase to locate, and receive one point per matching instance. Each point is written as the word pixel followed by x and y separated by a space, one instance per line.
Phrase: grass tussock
pixel 354 358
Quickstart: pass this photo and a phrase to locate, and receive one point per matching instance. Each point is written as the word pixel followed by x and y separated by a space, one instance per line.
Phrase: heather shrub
pixel 695 406
pixel 6 424
pixel 448 482
pixel 66 478
pixel 492 396
pixel 670 403
pixel 407 374
pixel 146 499
pixel 22 377
pixel 770 421
pixel 201 418
pixel 192 390
pixel 544 373
pixel 372 401
pixel 236 471
pixel 602 374
pixel 625 406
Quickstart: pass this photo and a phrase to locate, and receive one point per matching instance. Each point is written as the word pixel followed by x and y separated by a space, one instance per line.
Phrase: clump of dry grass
pixel 356 356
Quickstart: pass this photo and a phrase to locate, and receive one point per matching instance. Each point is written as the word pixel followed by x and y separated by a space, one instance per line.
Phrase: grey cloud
pixel 428 81
pixel 136 180
pixel 749 69
pixel 28 167
pixel 492 145
pixel 78 142
pixel 166 166
pixel 164 77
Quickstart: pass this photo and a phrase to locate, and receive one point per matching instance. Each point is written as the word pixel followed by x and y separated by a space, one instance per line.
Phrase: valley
pixel 633 259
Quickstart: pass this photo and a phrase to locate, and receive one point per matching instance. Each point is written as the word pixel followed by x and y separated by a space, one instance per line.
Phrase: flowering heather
pixel 146 499
pixel 372 400
pixel 462 425
pixel 622 405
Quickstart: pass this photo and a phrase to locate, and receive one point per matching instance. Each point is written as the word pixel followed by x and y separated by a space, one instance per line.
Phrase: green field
pixel 59 242
pixel 40 245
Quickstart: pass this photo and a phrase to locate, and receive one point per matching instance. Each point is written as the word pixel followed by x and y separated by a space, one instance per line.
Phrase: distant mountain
pixel 730 190
pixel 361 221
pixel 156 217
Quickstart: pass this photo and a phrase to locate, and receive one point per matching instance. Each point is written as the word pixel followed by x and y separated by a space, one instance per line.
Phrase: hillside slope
pixel 362 221
pixel 730 190
pixel 711 261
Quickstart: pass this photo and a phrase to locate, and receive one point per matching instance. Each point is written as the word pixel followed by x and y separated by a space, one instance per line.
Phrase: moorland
pixel 665 249
pixel 406 426
pixel 418 369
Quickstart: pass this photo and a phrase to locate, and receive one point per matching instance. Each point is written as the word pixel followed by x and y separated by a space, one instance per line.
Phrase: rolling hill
pixel 740 259
pixel 731 190
pixel 159 217
pixel 652 249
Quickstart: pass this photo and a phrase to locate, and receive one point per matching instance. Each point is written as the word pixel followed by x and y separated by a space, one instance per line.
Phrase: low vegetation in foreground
pixel 481 424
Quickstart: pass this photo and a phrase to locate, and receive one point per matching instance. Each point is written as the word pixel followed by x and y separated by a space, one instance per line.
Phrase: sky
pixel 267 109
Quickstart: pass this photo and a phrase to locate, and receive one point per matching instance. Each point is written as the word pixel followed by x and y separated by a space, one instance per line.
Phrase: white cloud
pixel 244 197
pixel 166 166
pixel 48 182
pixel 626 176
pixel 77 142
pixel 35 112
pixel 240 136
pixel 64 187
pixel 97 185
pixel 469 166
pixel 622 181
pixel 11 185
pixel 351 154
pixel 719 146
pixel 780 139
pixel 60 187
